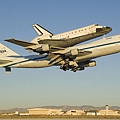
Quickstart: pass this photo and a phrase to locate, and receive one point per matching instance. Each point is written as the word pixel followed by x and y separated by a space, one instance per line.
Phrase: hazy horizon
pixel 109 107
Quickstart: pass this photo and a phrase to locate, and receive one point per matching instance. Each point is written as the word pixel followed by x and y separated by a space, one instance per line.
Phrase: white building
pixel 43 111
pixel 92 112
pixel 109 112
pixel 75 112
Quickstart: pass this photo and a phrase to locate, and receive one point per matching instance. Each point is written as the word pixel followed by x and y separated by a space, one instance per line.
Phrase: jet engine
pixel 43 48
pixel 40 48
pixel 73 52
pixel 90 64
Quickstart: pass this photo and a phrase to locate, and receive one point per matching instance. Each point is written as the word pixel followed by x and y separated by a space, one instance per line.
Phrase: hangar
pixel 75 112
pixel 43 111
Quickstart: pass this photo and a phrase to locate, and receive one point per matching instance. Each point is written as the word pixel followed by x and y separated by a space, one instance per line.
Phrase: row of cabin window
pixel 72 32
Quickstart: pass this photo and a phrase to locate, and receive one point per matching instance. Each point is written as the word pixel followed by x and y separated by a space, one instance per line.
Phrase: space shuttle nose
pixel 103 29
pixel 108 28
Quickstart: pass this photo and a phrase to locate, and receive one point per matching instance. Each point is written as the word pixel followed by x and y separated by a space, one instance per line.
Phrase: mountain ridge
pixel 64 108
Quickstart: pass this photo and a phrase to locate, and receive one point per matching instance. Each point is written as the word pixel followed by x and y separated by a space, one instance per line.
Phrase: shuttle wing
pixel 20 42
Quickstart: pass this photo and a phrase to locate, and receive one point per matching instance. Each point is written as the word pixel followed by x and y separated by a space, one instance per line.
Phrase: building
pixel 23 114
pixel 43 111
pixel 75 112
pixel 109 112
pixel 106 111
pixel 92 112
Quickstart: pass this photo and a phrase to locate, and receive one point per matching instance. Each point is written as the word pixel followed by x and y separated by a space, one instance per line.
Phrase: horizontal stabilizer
pixel 20 42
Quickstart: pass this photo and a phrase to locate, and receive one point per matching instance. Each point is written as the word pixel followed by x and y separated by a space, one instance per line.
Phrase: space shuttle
pixel 45 41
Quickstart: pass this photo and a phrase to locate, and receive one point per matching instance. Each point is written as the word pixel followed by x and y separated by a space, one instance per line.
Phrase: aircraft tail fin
pixel 6 52
pixel 40 30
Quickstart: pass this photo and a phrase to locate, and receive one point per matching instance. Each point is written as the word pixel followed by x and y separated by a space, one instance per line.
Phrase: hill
pixel 64 108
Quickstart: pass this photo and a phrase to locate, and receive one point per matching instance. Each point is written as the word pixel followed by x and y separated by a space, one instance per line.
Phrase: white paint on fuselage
pixel 103 47
pixel 32 64
pixel 32 61
pixel 78 32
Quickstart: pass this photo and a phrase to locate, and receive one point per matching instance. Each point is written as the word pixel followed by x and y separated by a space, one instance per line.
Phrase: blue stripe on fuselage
pixel 30 59
pixel 101 45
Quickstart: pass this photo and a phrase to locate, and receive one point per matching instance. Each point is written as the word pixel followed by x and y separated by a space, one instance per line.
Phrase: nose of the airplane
pixel 107 29
pixel 103 29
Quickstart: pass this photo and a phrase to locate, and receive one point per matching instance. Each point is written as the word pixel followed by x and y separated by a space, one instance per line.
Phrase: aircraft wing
pixel 72 52
pixel 48 45
pixel 32 46
pixel 20 42
pixel 68 59
pixel 52 42
pixel 60 55
pixel 66 42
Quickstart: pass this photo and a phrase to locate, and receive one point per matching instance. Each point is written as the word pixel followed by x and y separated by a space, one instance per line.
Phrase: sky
pixel 25 88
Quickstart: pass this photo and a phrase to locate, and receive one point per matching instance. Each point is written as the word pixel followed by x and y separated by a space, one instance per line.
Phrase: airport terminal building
pixel 43 111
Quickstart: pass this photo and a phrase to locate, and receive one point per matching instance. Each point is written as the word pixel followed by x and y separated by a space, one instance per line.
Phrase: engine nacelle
pixel 90 64
pixel 73 52
pixel 40 48
pixel 43 48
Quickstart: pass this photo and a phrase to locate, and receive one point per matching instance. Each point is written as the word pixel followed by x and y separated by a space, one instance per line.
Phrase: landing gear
pixel 65 66
pixel 69 65
pixel 7 69
pixel 74 69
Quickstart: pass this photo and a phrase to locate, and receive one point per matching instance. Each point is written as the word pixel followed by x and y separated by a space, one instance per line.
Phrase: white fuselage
pixel 32 61
pixel 72 37
pixel 105 46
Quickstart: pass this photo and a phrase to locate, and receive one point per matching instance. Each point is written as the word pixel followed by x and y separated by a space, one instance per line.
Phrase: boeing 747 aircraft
pixel 71 58
pixel 45 41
